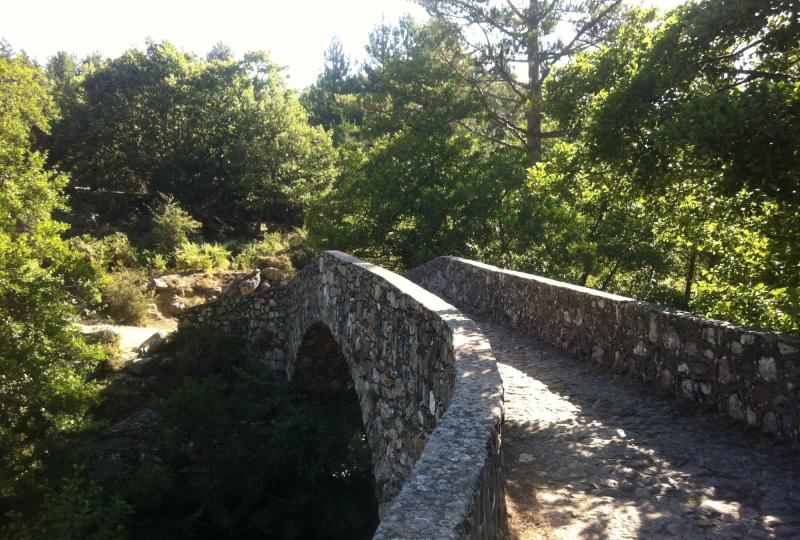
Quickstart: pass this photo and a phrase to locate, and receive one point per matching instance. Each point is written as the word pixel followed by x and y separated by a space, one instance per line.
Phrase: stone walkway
pixel 588 455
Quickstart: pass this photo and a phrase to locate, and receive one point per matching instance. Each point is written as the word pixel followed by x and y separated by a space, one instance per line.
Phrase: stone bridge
pixel 430 392
pixel 622 419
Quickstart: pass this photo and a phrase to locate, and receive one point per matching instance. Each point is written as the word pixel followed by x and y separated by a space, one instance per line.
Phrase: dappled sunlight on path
pixel 588 455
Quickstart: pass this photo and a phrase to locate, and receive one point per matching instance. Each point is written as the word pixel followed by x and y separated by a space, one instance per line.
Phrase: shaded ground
pixel 588 455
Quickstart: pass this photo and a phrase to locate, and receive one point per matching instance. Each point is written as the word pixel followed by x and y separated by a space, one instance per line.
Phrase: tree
pixel 220 51
pixel 320 99
pixel 225 137
pixel 44 364
pixel 502 36
pixel 697 111
pixel 414 184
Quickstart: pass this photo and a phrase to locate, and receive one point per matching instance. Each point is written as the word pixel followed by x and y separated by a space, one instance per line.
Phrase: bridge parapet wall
pixel 430 393
pixel 259 318
pixel 750 375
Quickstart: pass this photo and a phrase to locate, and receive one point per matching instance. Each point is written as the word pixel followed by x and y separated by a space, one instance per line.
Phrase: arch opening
pixel 323 377
pixel 321 368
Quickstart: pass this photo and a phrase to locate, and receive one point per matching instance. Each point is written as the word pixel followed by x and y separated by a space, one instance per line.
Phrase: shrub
pixel 172 227
pixel 208 257
pixel 124 297
pixel 77 509
pixel 299 247
pixel 313 477
pixel 45 394
pixel 254 254
pixel 269 251
pixel 157 262
pixel 108 252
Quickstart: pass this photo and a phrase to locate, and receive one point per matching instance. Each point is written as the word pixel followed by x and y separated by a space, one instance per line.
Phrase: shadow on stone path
pixel 589 455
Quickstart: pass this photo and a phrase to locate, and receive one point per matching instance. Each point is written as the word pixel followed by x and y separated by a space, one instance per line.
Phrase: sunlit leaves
pixel 44 391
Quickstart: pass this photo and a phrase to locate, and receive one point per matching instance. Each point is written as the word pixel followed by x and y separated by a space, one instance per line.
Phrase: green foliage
pixel 284 251
pixel 77 509
pixel 299 249
pixel 327 100
pixel 45 364
pixel 695 112
pixel 224 137
pixel 109 252
pixel 258 254
pixel 415 183
pixel 504 39
pixel 125 299
pixel 157 263
pixel 208 257
pixel 311 478
pixel 172 227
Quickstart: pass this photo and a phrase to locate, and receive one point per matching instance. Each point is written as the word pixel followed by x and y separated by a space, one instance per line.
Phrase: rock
pixel 610 483
pixel 104 336
pixel 526 458
pixel 152 342
pixel 204 284
pixel 139 365
pixel 785 348
pixel 230 290
pixel 735 407
pixel 785 531
pixel 130 442
pixel 712 507
pixel 264 286
pixel 769 422
pixel 158 284
pixel 176 307
pixel 767 369
pixel 249 284
pixel 677 528
pixel 273 275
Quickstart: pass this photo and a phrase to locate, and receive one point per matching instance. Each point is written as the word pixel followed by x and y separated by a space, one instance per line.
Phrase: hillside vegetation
pixel 649 154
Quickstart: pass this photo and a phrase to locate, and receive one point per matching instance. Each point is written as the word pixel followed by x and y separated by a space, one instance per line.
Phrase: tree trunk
pixel 687 292
pixel 533 109
pixel 611 273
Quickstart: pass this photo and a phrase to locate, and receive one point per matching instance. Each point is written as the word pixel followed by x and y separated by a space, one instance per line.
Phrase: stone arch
pixel 430 395
pixel 320 366
pixel 323 373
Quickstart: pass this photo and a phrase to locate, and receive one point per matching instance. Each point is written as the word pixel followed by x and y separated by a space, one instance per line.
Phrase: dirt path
pixel 130 336
pixel 590 456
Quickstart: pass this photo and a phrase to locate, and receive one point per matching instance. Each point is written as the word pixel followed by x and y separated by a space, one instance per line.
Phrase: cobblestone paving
pixel 589 455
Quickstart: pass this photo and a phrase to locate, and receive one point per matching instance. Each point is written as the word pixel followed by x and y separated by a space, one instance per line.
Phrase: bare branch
pixel 484 135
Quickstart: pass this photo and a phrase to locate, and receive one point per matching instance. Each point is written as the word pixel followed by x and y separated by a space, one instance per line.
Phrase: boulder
pixel 152 310
pixel 171 305
pixel 176 306
pixel 128 443
pixel 141 365
pixel 102 336
pixel 273 275
pixel 264 286
pixel 250 283
pixel 158 284
pixel 152 342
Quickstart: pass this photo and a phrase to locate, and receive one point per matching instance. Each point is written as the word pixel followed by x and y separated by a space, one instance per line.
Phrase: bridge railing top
pixel 645 306
pixel 454 489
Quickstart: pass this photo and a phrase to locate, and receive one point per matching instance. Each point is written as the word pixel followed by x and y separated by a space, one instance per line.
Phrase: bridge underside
pixel 321 367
